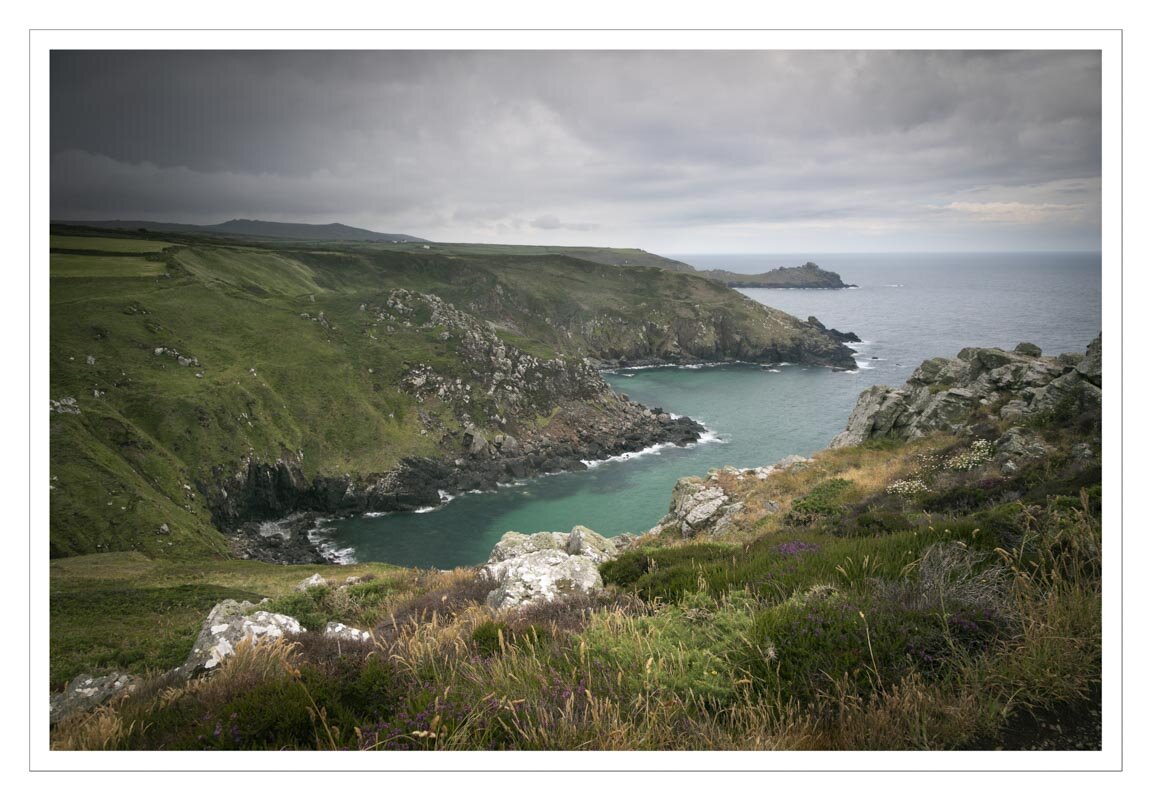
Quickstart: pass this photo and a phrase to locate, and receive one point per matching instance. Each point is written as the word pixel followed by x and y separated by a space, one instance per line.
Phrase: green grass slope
pixel 166 366
pixel 840 613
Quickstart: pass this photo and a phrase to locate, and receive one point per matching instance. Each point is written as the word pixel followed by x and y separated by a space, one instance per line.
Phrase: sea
pixel 905 308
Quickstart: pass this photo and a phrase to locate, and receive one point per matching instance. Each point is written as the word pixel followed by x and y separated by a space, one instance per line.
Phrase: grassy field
pixel 125 611
pixel 100 243
pixel 850 618
pixel 71 265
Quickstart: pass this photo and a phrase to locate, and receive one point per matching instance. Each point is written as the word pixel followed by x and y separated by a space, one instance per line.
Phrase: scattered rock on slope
pixel 228 624
pixel 86 692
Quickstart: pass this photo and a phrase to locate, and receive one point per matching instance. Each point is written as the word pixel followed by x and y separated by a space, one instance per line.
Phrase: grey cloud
pixel 682 146
pixel 550 222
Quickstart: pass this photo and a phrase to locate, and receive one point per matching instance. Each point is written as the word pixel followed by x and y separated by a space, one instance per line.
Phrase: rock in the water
pixel 86 692
pixel 338 631
pixel 1028 349
pixel 229 623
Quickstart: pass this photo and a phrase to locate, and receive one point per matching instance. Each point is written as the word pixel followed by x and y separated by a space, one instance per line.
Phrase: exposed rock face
pixel 702 506
pixel 587 421
pixel 282 542
pixel 945 394
pixel 839 336
pixel 697 504
pixel 546 565
pixel 86 692
pixel 228 624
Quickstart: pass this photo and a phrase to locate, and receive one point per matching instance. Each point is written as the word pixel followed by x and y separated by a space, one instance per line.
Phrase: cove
pixel 908 307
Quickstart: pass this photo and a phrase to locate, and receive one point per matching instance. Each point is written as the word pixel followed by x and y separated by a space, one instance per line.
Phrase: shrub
pixel 665 573
pixel 818 505
pixel 487 637
pixel 687 650
pixel 806 645
pixel 879 523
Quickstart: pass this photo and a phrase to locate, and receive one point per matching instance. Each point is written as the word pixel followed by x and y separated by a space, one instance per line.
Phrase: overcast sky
pixel 671 151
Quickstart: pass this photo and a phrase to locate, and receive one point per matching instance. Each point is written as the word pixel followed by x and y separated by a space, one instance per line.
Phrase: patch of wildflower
pixel 796 547
pixel 906 488
pixel 979 452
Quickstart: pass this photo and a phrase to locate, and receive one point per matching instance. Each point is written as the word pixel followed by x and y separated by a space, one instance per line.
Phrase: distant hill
pixel 254 228
pixel 807 276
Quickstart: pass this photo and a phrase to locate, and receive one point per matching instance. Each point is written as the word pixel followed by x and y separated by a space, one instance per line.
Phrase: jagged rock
pixel 229 623
pixel 699 505
pixel 315 580
pixel 946 394
pixel 86 692
pixel 1092 365
pixel 338 631
pixel 1016 444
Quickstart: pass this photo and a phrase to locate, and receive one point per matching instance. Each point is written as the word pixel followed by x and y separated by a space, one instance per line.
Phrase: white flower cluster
pixel 976 455
pixel 907 487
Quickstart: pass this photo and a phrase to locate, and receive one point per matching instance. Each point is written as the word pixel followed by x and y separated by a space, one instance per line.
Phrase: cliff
pixel 202 385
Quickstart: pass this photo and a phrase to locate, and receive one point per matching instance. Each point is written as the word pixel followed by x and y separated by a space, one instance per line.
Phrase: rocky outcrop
pixel 702 506
pixel 228 624
pixel 281 542
pixel 546 566
pixel 839 336
pixel 87 692
pixel 951 395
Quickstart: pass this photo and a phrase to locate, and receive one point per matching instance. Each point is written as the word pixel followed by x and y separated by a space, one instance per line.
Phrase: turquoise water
pixel 909 307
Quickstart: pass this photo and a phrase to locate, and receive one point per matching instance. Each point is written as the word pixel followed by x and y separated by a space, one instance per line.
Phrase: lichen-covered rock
pixel 541 576
pixel 946 395
pixel 580 541
pixel 230 623
pixel 338 631
pixel 546 565
pixel 86 692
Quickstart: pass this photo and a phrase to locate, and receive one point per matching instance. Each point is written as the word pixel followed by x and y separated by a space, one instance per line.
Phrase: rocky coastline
pixel 267 510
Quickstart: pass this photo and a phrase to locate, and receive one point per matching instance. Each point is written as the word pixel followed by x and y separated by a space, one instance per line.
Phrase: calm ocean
pixel 908 307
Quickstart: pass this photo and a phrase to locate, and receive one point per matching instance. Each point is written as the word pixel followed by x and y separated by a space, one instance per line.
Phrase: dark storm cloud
pixel 691 149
